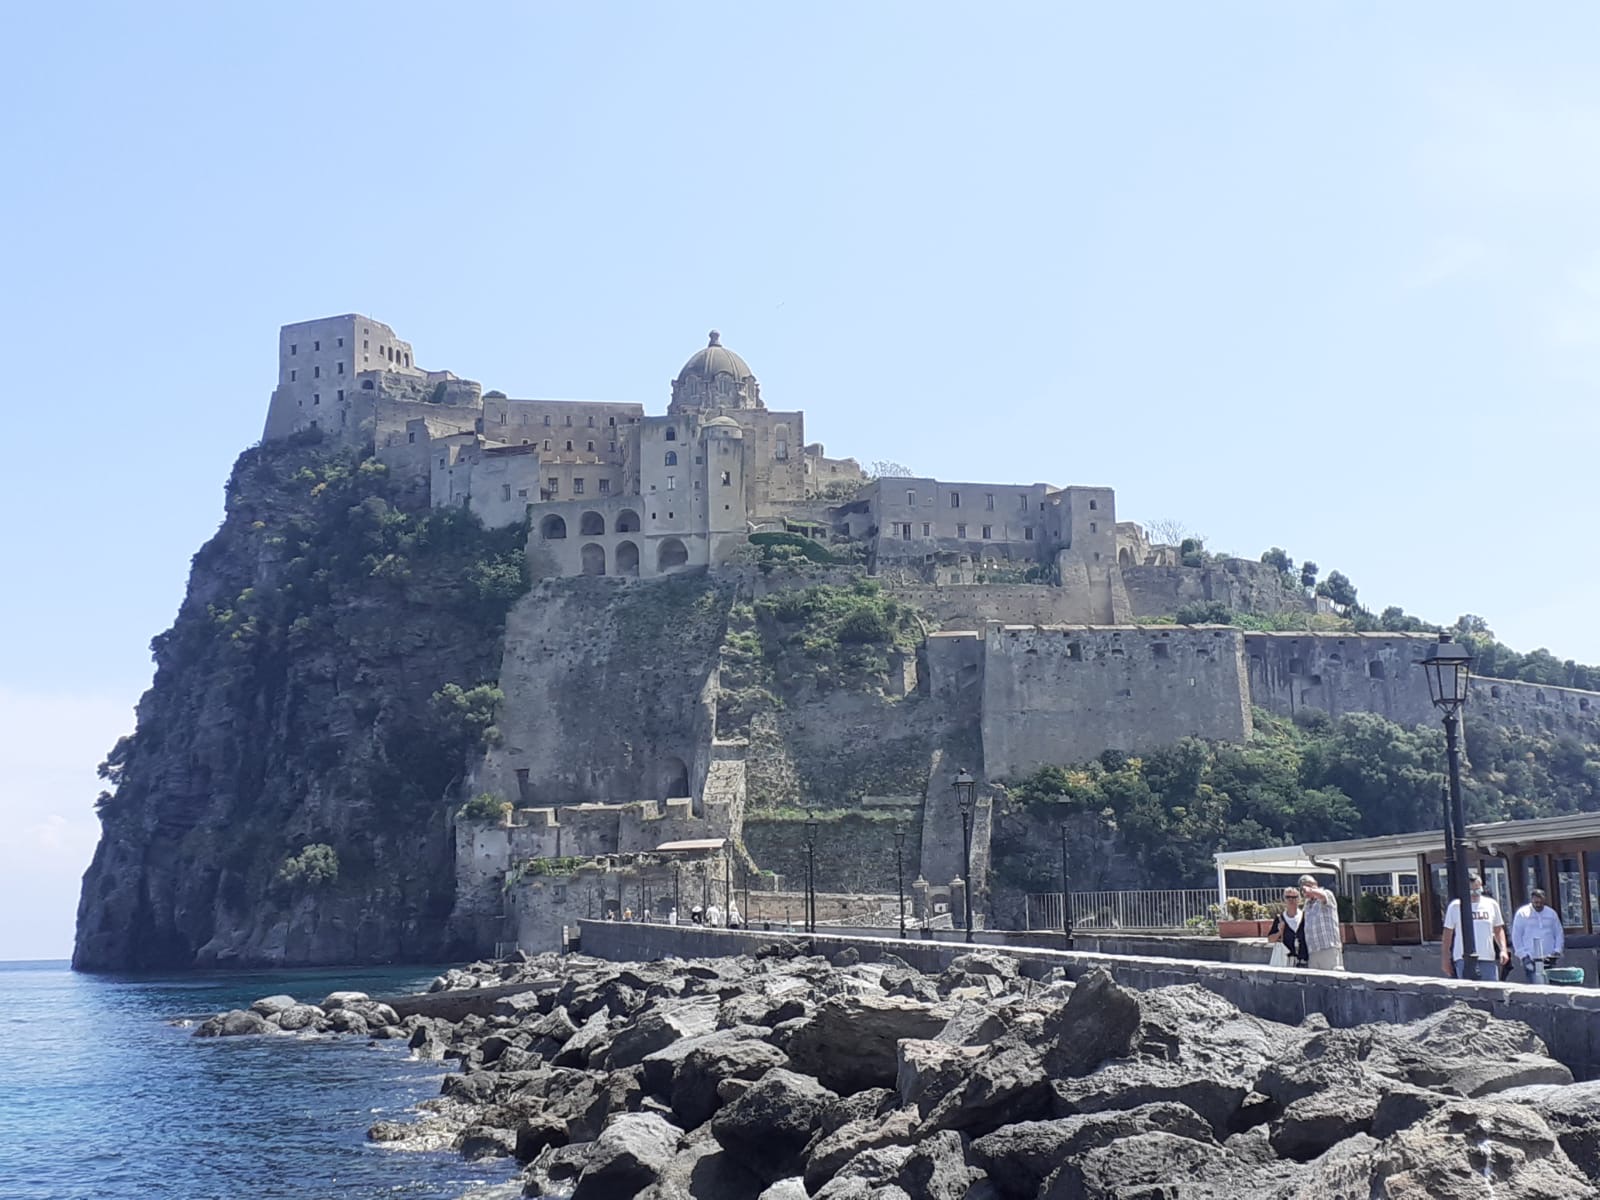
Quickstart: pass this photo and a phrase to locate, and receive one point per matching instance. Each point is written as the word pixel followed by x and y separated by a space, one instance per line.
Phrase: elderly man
pixel 1321 926
pixel 1536 934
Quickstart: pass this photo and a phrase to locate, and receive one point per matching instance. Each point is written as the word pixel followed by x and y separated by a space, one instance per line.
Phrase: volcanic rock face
pixel 653 1080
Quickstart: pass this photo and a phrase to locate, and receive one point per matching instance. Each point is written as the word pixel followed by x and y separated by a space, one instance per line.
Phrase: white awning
pixel 696 845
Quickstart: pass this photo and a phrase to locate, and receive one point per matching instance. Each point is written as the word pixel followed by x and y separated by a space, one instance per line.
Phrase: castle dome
pixel 715 377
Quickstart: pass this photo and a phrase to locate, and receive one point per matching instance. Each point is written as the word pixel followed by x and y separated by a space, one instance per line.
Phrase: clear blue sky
pixel 1247 263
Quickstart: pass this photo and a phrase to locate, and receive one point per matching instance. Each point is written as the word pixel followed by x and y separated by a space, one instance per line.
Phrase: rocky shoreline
pixel 784 1076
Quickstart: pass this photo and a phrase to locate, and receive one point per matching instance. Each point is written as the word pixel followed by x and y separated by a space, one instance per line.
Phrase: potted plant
pixel 1406 913
pixel 1347 929
pixel 1235 921
pixel 1373 927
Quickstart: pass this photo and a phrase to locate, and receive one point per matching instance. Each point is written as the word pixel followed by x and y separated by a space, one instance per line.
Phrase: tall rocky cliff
pixel 283 799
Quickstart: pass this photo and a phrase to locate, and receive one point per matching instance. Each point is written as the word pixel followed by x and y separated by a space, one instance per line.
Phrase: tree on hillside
pixel 1338 588
pixel 1277 558
pixel 1167 531
pixel 1308 574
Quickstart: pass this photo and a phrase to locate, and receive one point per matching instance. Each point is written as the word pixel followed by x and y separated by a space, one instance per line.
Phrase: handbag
pixel 1280 955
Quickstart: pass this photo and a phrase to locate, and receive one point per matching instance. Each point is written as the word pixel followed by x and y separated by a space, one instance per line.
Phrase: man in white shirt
pixel 1488 935
pixel 714 917
pixel 1536 933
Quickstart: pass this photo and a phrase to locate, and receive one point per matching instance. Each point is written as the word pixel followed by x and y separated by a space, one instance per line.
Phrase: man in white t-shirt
pixel 1536 934
pixel 1488 935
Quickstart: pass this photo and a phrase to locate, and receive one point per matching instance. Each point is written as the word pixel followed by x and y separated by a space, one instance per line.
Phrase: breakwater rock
pixel 782 1076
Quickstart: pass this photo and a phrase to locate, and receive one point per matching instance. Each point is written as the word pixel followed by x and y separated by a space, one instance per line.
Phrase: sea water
pixel 102 1096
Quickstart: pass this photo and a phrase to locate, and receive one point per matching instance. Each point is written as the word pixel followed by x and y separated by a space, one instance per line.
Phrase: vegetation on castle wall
pixel 485 806
pixel 1165 814
pixel 316 866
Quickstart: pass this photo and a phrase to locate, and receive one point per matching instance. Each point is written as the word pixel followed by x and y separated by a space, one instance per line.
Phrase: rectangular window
pixel 505 491
pixel 547 443
pixel 341 343
pixel 316 397
pixel 341 368
pixel 987 532
pixel 672 483
pixel 293 349
pixel 316 345
pixel 522 493
pixel 605 487
pixel 364 346
pixel 591 447
pixel 341 393
pixel 961 531
pixel 292 375
pixel 727 479
pixel 613 447
pixel 1093 505
pixel 905 531
pixel 577 487
pixel 569 418
pixel 927 529
pixel 1568 899
pixel 1027 533
pixel 911 499
pixel 955 499
pixel 316 372
pixel 547 418
pixel 1094 527
pixel 1022 503
pixel 988 501
pixel 554 485
pixel 411 436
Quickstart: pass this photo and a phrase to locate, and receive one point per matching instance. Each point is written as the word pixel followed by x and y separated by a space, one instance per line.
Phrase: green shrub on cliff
pixel 485 806
pixel 316 866
pixel 831 635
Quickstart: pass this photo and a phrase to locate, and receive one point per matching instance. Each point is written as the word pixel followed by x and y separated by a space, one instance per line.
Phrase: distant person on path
pixel 1488 937
pixel 734 921
pixel 697 915
pixel 1289 931
pixel 714 917
pixel 1320 928
pixel 672 917
pixel 1536 933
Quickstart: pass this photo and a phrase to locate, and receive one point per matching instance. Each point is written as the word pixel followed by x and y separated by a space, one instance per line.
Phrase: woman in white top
pixel 1288 930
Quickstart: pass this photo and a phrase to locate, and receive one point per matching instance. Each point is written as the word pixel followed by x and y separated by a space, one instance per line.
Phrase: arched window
pixel 552 528
pixel 594 559
pixel 591 422
pixel 672 555
pixel 780 441
pixel 672 434
pixel 628 559
pixel 672 458
pixel 592 524
pixel 627 521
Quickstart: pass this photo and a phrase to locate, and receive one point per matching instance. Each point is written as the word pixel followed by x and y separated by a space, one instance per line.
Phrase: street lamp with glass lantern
pixel 966 789
pixel 810 871
pixel 1449 671
pixel 899 871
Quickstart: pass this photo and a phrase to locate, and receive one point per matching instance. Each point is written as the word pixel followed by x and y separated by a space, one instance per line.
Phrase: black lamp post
pixel 1449 670
pixel 899 872
pixel 811 871
pixel 966 789
pixel 1066 897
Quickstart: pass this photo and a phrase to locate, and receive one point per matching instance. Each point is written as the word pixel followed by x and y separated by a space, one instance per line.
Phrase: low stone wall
pixel 1568 1019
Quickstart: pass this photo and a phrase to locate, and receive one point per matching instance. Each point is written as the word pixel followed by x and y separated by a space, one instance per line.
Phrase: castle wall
pixel 1242 585
pixel 775 459
pixel 971 606
pixel 1064 693
pixel 1535 707
pixel 1339 673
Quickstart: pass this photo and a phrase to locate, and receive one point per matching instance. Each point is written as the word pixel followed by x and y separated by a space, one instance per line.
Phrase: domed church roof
pixel 715 377
pixel 716 359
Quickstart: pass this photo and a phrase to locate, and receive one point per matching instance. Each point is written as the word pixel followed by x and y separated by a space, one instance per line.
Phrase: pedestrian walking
pixel 1288 933
pixel 1537 938
pixel 1488 935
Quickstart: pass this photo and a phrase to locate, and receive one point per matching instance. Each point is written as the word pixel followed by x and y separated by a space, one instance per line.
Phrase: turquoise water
pixel 101 1097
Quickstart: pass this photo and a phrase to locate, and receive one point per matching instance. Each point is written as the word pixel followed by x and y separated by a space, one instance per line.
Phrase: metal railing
pixel 1137 911
pixel 1384 889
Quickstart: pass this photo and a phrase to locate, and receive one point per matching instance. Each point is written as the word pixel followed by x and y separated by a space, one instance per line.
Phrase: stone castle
pixel 1031 592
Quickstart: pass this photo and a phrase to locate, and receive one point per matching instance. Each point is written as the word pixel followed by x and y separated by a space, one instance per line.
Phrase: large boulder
pixel 1006 1084
pixel 703 1170
pixel 1100 1021
pixel 271 1006
pixel 628 1156
pixel 773 1121
pixel 850 1043
pixel 1476 1148
pixel 926 1071
pixel 656 1029
pixel 335 1000
pixel 1020 1157
pixel 833 1150
pixel 937 1168
pixel 695 1083
pixel 299 1016
pixel 237 1022
pixel 1216 1096
pixel 590 1041
pixel 1573 1114
pixel 1146 1165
